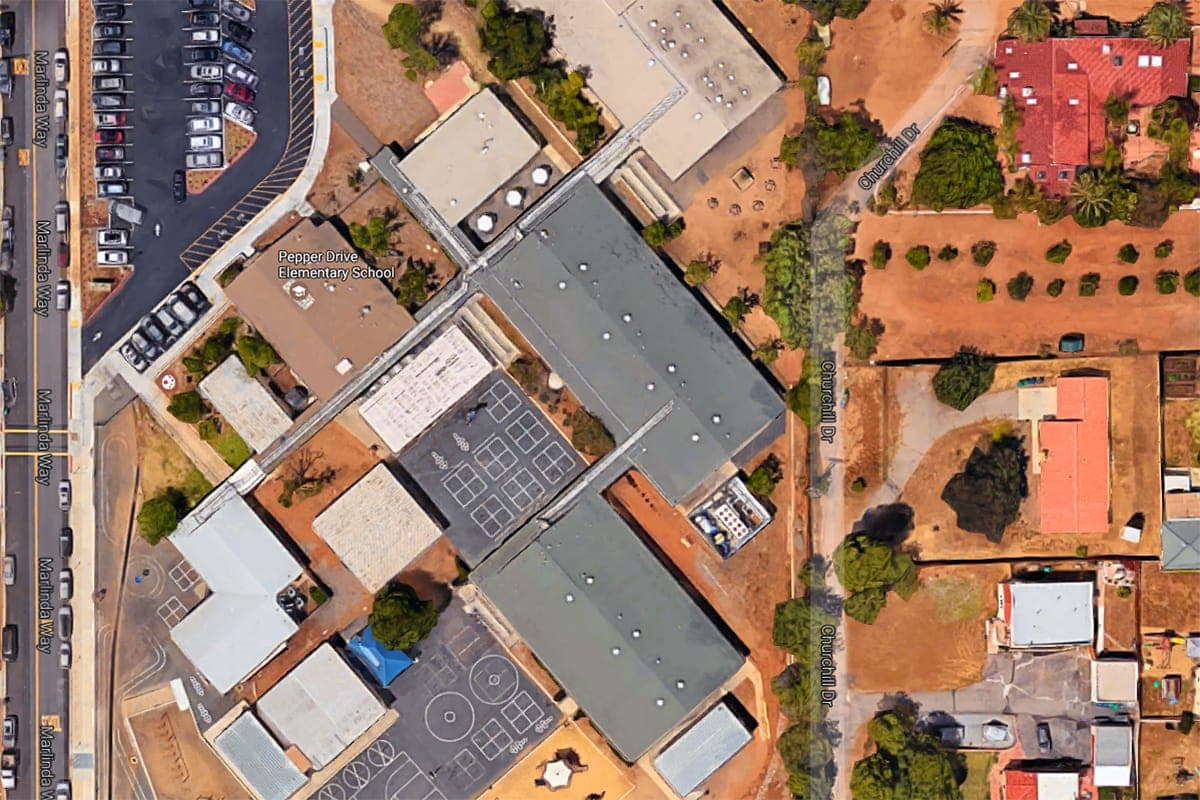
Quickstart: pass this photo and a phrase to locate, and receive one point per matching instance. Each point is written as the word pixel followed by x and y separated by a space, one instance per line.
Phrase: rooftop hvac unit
pixel 514 198
pixel 540 175
pixel 485 223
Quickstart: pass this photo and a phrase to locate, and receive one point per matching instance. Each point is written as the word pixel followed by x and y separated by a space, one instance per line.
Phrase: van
pixel 62 217
pixel 65 622
pixel 10 642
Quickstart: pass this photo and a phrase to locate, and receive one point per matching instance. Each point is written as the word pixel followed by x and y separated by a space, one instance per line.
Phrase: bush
pixel 697 272
pixel 372 237
pixel 918 256
pixel 862 340
pixel 1081 551
pixel 159 516
pixel 868 569
pixel 858 484
pixel 986 496
pixel 968 374
pixel 528 373
pixel 1020 286
pixel 985 291
pixel 399 618
pixel 1127 285
pixel 561 91
pixel 658 233
pixel 958 167
pixel 1058 253
pixel 208 429
pixel 516 41
pixel 413 285
pixel 318 595
pixel 256 354
pixel 881 254
pixel 1128 254
pixel 1164 248
pixel 796 627
pixel 765 477
pixel 1089 284
pixel 1191 282
pixel 187 407
pixel 948 253
pixel 588 434
pixel 1167 282
pixel 983 252
pixel 1055 287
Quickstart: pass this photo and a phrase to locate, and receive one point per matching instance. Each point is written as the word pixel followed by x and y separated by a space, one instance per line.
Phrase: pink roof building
pixel 1074 487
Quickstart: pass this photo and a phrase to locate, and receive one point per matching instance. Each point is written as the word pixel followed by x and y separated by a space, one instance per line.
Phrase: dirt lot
pixel 161 464
pixel 949 608
pixel 392 107
pixel 332 191
pixel 1120 619
pixel 930 313
pixel 1160 753
pixel 1135 474
pixel 180 765
pixel 776 27
pixel 1179 448
pixel 863 423
pixel 1169 600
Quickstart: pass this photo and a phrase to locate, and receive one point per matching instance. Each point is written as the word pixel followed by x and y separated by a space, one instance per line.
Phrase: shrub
pixel 187 407
pixel 658 233
pixel 918 256
pixel 968 374
pixel 1164 248
pixel 413 285
pixel 1089 284
pixel 516 41
pixel 1128 254
pixel 208 429
pixel 735 310
pixel 1058 253
pixel 948 253
pixel 588 434
pixel 561 91
pixel 985 291
pixel 983 252
pixel 862 340
pixel 1055 287
pixel 697 272
pixel 399 618
pixel 765 477
pixel 858 484
pixel 986 496
pixel 1191 282
pixel 881 254
pixel 1020 286
pixel 1124 591
pixel 318 595
pixel 528 373
pixel 1127 285
pixel 1167 282
pixel 958 167
pixel 255 353
pixel 372 237
pixel 159 516
pixel 1081 551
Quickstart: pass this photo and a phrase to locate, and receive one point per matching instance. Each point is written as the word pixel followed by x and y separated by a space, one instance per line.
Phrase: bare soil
pixel 238 139
pixel 161 462
pixel 948 612
pixel 1161 754
pixel 776 27
pixel 200 179
pixel 1169 600
pixel 332 191
pixel 181 766
pixel 1179 448
pixel 1120 619
pixel 863 423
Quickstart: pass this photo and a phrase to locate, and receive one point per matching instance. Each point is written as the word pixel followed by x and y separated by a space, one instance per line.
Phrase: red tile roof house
pixel 1060 85
pixel 1074 448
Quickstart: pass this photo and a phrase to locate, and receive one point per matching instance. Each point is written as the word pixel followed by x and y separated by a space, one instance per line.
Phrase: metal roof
pixel 1051 613
pixel 321 706
pixel 1181 544
pixel 258 759
pixel 1112 754
pixel 245 404
pixel 702 749
pixel 609 622
pixel 627 337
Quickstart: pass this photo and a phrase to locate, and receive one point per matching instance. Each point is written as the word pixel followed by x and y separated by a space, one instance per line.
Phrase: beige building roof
pixel 376 528
pixel 245 404
pixel 469 156
pixel 325 323
pixel 1115 681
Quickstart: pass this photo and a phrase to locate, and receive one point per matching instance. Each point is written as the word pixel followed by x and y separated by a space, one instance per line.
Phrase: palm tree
pixel 1031 21
pixel 941 16
pixel 1091 199
pixel 1164 24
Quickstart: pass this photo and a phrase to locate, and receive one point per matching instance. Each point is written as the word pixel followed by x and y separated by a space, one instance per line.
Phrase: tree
pixel 529 373
pixel 1191 282
pixel 1031 21
pixel 1128 253
pixel 824 11
pixel 659 232
pixel 372 238
pixel 968 374
pixel 1089 283
pixel 810 298
pixel 157 518
pixel 413 286
pixel 738 306
pixel 986 496
pixel 1116 110
pixel 256 354
pixel 843 146
pixel 399 618
pixel 768 351
pixel 763 479
pixel 881 254
pixel 868 568
pixel 983 252
pixel 699 270
pixel 303 477
pixel 985 290
pixel 1164 248
pixel 799 691
pixel 941 16
pixel 928 775
pixel 403 26
pixel 874 778
pixel 1020 286
pixel 1127 285
pixel 1057 253
pixel 891 731
pixel 516 41
pixel 948 253
pixel 588 434
pixel 562 92
pixel 1164 24
pixel 187 407
pixel 865 606
pixel 1055 287
pixel 958 167
pixel 862 340
pixel 918 256
pixel 908 764
pixel 1167 282
pixel 1091 199
pixel 797 627
pixel 983 80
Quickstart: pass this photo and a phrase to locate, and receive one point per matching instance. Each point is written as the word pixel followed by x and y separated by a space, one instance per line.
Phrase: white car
pixel 206 107
pixel 206 36
pixel 210 160
pixel 105 65
pixel 112 258
pixel 240 113
pixel 236 72
pixel 205 72
pixel 203 143
pixel 111 238
pixel 204 125
pixel 10 570
pixel 106 172
pixel 61 65
pixel 109 119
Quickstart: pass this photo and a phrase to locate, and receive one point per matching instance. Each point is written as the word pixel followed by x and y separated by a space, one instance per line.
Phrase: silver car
pixel 204 143
pixel 240 113
pixel 210 160
pixel 204 125
pixel 236 72
pixel 64 495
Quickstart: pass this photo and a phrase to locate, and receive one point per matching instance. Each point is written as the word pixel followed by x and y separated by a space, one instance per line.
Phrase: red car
pixel 64 256
pixel 239 92
pixel 109 137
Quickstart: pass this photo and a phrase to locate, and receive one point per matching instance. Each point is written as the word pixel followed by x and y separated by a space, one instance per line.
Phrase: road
pixel 36 357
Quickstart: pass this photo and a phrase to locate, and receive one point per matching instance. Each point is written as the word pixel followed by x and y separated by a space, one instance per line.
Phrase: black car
pixel 1043 737
pixel 8 28
pixel 66 542
pixel 205 19
pixel 6 131
pixel 110 153
pixel 110 13
pixel 238 32
pixel 204 90
pixel 107 31
pixel 199 4
pixel 108 48
pixel 60 153
pixel 203 54
pixel 179 186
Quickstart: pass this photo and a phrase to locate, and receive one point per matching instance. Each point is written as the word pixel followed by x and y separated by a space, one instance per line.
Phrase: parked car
pixel 112 188
pixel 64 495
pixel 204 125
pixel 205 54
pixel 10 643
pixel 111 119
pixel 202 4
pixel 10 570
pixel 62 218
pixel 205 19
pixel 62 791
pixel 181 310
pixel 104 30
pixel 8 28
pixel 194 297
pixel 237 31
pixel 155 332
pixel 204 90
pixel 62 302
pixel 202 143
pixel 239 92
pixel 133 357
pixel 214 159
pixel 64 255
pixel 235 10
pixel 240 113
pixel 1043 738
pixel 66 583
pixel 60 104
pixel 108 47
pixel 10 732
pixel 1071 343
pixel 112 258
pixel 166 320
pixel 143 345
pixel 6 130
pixel 6 220
pixel 237 51
pixel 240 74
pixel 204 107
pixel 110 153
pixel 205 72
pixel 112 238
pixel 205 36
pixel 109 101
pixel 5 77
pixel 101 66
pixel 65 623
pixel 109 136
pixel 108 83
pixel 64 655
pixel 62 65
pixel 108 13
pixel 66 542
pixel 109 172
pixel 179 186
pixel 60 154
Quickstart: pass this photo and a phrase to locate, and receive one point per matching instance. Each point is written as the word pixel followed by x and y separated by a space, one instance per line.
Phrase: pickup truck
pixel 8 768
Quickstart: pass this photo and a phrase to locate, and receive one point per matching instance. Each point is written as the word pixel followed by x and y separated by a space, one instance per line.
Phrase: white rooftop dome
pixel 541 175
pixel 514 198
pixel 486 223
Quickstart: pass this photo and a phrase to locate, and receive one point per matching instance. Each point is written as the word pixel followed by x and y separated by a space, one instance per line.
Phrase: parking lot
pixel 161 43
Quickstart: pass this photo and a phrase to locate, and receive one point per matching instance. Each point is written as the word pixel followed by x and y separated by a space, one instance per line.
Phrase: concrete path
pixel 347 120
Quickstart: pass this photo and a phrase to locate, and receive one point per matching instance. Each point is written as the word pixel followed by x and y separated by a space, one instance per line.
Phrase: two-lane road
pixel 35 355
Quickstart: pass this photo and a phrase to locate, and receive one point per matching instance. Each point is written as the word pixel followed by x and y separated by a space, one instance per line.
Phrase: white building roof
pixel 1057 786
pixel 258 760
pixel 245 404
pixel 1115 681
pixel 321 706
pixel 1051 613
pixel 702 749
pixel 376 528
pixel 424 388
pixel 469 156
pixel 1112 755
pixel 239 626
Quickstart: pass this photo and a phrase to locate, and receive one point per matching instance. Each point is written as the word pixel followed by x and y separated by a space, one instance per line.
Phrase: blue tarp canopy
pixel 383 664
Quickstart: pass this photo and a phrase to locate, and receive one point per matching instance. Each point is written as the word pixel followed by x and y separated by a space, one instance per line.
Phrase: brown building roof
pixel 325 323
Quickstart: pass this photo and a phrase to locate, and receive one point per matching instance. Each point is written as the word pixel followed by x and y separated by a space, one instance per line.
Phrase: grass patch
pixel 955 599
pixel 231 447
pixel 979 766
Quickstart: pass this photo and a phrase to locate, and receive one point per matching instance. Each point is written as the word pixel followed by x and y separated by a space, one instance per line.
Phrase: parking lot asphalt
pixel 192 231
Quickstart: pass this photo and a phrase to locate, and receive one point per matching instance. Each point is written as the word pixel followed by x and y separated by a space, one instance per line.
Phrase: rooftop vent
pixel 485 223
pixel 514 198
